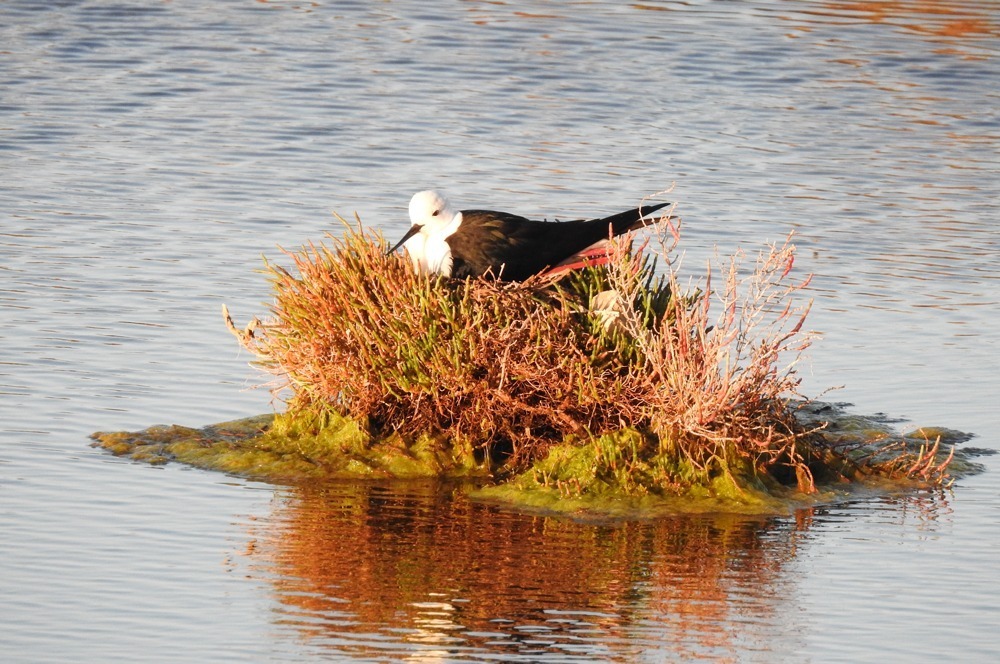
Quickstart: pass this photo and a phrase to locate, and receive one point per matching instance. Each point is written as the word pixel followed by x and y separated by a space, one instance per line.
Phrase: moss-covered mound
pixel 619 473
pixel 847 454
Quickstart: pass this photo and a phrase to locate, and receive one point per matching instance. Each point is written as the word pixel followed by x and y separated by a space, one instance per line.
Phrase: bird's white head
pixel 431 210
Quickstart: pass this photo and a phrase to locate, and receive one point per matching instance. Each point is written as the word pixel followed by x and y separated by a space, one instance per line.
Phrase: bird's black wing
pixel 488 240
pixel 513 247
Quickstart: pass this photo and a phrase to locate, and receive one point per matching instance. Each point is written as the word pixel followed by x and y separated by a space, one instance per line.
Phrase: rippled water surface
pixel 150 152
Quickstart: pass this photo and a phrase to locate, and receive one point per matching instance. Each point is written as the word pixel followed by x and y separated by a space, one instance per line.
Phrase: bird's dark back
pixel 487 240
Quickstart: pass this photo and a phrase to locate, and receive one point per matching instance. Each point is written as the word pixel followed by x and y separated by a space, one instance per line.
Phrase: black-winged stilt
pixel 470 243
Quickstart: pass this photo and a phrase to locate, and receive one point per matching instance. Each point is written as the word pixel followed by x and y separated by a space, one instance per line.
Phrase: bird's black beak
pixel 410 233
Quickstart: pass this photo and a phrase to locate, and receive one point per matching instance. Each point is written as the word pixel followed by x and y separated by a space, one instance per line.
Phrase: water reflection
pixel 417 571
pixel 933 18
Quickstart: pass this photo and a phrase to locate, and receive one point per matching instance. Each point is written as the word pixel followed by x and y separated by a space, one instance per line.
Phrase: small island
pixel 609 389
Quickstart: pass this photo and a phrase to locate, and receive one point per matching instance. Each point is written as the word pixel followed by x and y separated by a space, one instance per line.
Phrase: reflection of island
pixel 417 571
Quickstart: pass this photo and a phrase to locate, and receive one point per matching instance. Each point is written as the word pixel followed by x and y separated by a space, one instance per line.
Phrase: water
pixel 151 152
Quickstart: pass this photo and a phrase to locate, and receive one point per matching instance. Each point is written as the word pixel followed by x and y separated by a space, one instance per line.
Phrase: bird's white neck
pixel 429 248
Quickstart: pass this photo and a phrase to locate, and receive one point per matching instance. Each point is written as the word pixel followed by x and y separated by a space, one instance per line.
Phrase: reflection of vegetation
pixel 606 388
pixel 438 571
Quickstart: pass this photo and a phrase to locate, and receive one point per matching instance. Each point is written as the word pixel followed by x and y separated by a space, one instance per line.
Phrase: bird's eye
pixel 435 213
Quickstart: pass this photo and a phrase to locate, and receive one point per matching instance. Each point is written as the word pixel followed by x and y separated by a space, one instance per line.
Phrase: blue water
pixel 150 153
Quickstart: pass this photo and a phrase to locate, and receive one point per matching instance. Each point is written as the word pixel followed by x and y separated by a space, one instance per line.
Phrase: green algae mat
pixel 614 475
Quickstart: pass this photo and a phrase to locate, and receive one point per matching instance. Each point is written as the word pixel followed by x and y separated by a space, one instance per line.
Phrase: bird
pixel 509 247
